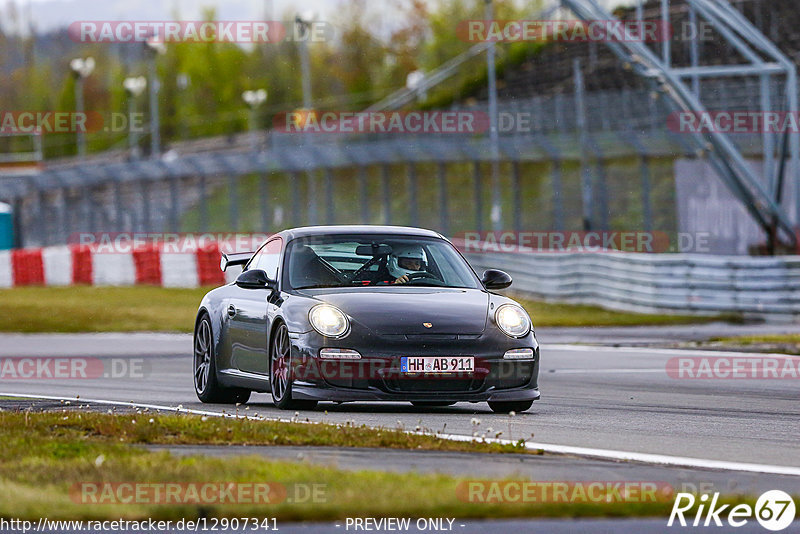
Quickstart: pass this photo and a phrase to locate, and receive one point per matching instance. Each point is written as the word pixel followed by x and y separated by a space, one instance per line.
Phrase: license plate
pixel 437 364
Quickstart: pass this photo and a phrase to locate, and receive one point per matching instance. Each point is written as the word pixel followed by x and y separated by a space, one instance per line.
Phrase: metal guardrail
pixel 688 284
pixel 692 284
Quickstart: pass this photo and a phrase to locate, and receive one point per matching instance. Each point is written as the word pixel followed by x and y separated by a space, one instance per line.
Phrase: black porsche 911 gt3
pixel 364 313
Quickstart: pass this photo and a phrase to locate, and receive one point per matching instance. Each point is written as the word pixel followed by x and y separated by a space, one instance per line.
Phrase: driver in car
pixel 404 261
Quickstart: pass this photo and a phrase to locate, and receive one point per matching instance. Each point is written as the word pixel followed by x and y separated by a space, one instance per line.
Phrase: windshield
pixel 375 260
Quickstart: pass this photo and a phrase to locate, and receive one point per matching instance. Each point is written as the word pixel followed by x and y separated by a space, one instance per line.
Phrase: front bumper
pixel 376 376
pixel 321 393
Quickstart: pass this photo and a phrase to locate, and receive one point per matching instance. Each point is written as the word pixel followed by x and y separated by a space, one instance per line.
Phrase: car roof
pixel 307 231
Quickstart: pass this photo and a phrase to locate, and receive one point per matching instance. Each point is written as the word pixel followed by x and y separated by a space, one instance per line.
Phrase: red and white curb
pixel 85 265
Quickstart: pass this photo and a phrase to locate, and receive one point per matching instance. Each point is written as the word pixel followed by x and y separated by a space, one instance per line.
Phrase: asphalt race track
pixel 618 398
pixel 609 398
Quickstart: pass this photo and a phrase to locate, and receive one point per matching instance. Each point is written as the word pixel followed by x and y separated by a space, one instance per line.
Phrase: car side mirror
pixel 255 279
pixel 495 279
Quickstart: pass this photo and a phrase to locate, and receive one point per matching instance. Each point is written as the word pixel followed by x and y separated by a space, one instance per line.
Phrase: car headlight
pixel 328 320
pixel 512 320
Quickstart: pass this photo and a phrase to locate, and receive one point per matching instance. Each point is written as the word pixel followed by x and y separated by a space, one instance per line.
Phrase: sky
pixel 51 14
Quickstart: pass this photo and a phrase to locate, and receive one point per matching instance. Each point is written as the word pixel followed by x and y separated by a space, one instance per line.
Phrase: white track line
pixel 177 409
pixel 603 371
pixel 665 352
pixel 604 454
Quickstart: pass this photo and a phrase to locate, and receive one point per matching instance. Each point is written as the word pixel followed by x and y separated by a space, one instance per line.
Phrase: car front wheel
pixel 281 373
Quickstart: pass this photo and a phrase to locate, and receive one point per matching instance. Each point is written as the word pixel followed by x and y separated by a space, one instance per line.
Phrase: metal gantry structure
pixel 762 198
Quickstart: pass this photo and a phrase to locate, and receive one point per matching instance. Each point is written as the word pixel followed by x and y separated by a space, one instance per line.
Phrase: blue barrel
pixel 6 227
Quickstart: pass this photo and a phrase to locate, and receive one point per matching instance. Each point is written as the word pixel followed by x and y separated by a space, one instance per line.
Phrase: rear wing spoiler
pixel 237 258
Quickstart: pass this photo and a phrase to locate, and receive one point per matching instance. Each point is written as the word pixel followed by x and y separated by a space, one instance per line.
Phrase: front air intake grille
pixel 433 385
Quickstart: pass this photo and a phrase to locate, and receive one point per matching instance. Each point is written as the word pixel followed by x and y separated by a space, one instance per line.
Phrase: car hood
pixel 405 310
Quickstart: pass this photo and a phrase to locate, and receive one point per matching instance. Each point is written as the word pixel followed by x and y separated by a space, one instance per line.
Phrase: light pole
pixel 81 69
pixel 134 86
pixel 154 48
pixel 413 82
pixel 303 22
pixel 497 210
pixel 254 99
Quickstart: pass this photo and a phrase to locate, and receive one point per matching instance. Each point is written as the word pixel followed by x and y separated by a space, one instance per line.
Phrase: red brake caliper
pixel 281 368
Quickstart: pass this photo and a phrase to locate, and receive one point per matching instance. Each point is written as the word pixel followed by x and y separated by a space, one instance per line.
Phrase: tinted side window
pixel 268 258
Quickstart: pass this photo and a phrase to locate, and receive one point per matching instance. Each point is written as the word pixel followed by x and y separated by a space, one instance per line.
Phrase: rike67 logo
pixel 774 510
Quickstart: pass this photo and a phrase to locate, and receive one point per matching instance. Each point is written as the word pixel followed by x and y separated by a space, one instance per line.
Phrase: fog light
pixel 339 354
pixel 518 354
